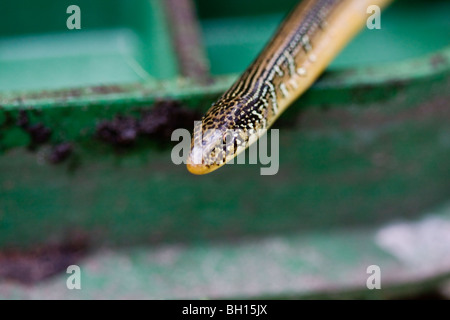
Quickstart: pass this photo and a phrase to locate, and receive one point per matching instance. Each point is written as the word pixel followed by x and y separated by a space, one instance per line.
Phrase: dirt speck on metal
pixel 107 89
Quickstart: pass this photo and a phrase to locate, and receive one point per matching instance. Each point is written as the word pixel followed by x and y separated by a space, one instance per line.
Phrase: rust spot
pixel 121 131
pixel 22 120
pixel 59 94
pixel 60 152
pixel 166 116
pixel 38 133
pixel 187 40
pixel 37 264
pixel 156 123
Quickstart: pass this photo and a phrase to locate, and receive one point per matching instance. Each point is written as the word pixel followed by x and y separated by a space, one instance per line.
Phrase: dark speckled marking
pixel 251 104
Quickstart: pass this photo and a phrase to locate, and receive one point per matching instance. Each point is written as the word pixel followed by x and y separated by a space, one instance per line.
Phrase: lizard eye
pixel 228 138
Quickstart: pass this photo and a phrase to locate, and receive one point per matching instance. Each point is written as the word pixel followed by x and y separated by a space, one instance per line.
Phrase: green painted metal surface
pixel 366 147
pixel 311 265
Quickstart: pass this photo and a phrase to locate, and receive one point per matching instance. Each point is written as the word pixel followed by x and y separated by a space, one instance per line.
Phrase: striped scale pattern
pixel 273 81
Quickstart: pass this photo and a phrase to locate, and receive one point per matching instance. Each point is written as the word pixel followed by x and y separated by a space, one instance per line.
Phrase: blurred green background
pixel 364 157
